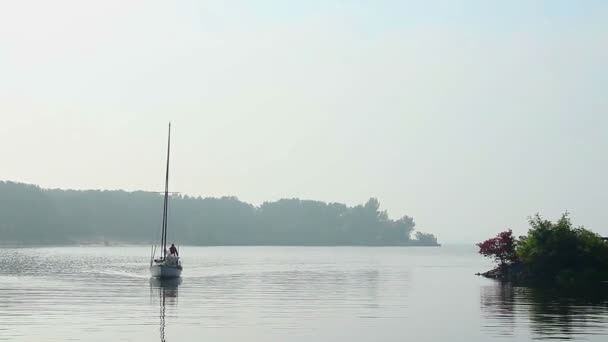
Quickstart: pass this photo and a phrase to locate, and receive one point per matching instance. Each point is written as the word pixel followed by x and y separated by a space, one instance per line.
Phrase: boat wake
pixel 123 274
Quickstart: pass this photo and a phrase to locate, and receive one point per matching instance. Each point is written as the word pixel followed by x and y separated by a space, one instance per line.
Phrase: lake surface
pixel 281 294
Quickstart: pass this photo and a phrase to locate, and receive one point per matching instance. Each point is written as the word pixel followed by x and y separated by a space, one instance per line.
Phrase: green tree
pixel 561 252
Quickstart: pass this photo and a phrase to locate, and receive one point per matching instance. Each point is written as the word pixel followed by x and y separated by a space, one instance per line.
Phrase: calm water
pixel 280 294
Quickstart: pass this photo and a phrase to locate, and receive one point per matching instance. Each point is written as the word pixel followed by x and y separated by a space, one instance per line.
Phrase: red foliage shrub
pixel 501 248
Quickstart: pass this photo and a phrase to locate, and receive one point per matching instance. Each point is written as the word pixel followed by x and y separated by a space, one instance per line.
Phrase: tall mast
pixel 166 202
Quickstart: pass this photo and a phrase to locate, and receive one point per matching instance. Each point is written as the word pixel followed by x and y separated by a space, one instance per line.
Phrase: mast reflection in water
pixel 167 291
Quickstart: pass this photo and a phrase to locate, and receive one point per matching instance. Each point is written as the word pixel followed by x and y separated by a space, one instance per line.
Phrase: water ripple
pixel 277 294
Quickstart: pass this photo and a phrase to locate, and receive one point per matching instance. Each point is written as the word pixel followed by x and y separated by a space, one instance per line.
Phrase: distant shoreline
pixel 140 244
pixel 31 215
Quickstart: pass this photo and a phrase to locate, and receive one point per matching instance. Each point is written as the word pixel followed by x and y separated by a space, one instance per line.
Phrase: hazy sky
pixel 467 115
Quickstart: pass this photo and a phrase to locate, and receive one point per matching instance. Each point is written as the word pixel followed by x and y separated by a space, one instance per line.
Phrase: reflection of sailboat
pixel 167 294
pixel 167 286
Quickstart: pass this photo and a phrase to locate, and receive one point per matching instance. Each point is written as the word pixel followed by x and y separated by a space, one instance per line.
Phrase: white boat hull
pixel 165 271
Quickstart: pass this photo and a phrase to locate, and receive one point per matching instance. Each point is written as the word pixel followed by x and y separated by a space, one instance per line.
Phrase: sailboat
pixel 168 265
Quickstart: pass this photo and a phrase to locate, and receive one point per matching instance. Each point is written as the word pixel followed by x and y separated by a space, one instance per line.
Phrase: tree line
pixel 32 215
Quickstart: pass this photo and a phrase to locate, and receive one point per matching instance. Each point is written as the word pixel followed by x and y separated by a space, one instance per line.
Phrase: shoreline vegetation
pixel 551 254
pixel 32 216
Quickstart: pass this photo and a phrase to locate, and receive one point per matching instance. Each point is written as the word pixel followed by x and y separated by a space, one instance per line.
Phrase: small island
pixel 552 253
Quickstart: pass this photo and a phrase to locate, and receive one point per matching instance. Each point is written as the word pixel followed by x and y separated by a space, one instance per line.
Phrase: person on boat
pixel 173 250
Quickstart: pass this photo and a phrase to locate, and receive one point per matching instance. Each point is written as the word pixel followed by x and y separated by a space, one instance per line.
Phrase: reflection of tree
pixel 498 303
pixel 167 294
pixel 556 314
pixel 552 314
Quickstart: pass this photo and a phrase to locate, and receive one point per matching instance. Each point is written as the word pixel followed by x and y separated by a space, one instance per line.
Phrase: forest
pixel 33 215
